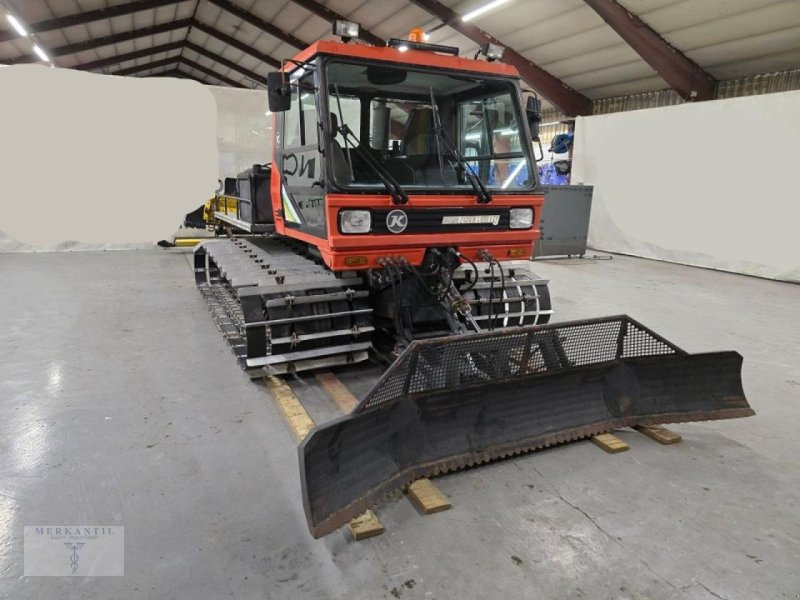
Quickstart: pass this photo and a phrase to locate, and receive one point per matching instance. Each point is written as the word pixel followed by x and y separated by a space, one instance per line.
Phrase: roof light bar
pixel 18 27
pixel 482 9
pixel 404 45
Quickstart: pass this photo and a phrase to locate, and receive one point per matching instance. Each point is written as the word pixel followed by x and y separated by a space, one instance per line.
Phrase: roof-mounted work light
pixel 492 51
pixel 346 30
pixel 404 45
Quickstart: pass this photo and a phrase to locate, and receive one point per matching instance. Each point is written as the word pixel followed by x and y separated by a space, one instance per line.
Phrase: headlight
pixel 520 218
pixel 355 221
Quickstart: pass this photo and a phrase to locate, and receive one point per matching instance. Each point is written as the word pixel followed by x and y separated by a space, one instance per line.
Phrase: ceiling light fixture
pixel 482 9
pixel 41 53
pixel 18 27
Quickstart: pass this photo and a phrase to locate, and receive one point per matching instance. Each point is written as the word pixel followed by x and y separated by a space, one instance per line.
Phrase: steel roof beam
pixel 329 15
pixel 121 58
pixel 261 79
pixel 210 72
pixel 685 76
pixel 108 40
pixel 178 74
pixel 89 16
pixel 556 91
pixel 259 23
pixel 177 60
pixel 234 43
pixel 153 64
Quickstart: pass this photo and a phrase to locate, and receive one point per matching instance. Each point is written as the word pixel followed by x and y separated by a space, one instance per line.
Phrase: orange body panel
pixel 411 57
pixel 337 247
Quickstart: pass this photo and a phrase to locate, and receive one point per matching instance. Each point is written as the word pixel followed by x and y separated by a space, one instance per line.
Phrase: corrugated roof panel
pixel 613 57
pixel 54 39
pixel 245 32
pixel 372 14
pixel 252 63
pixel 310 31
pixel 509 18
pixel 741 25
pixel 623 88
pixel 744 49
pixel 207 62
pixel 574 32
pixel 208 13
pixel 401 22
pixel 630 72
pixel 299 22
pixel 267 11
pixel 100 29
pixel 227 52
pixel 139 20
pixel 145 60
pixel 216 46
pixel 14 47
pixel 32 12
pixel 282 51
pixel 765 64
pixel 674 16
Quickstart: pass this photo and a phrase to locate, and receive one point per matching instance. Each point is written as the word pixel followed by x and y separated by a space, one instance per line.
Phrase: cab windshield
pixel 390 111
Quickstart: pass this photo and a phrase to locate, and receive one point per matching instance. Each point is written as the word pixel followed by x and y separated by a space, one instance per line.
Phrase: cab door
pixel 300 160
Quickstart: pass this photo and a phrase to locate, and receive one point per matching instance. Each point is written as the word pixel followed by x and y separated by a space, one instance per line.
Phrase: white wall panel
pixel 100 161
pixel 709 184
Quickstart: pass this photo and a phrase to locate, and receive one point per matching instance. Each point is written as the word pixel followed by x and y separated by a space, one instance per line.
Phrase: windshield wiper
pixel 398 194
pixel 443 139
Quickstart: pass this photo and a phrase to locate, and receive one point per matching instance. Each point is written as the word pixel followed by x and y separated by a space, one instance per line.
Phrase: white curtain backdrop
pixel 707 184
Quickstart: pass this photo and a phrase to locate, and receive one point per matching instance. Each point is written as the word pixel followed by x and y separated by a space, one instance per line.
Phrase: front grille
pixel 429 220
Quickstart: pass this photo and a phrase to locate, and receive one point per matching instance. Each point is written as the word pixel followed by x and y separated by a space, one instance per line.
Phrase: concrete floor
pixel 122 405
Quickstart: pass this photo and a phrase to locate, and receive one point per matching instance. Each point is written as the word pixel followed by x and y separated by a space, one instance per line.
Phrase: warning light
pixel 416 35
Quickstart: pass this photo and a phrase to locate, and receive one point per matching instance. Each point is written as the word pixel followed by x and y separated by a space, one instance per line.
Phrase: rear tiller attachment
pixel 448 403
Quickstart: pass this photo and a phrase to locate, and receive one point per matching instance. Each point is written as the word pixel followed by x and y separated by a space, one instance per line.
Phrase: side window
pixel 301 165
pixel 472 128
pixel 499 113
pixel 309 131
pixel 489 137
pixel 487 126
pixel 300 121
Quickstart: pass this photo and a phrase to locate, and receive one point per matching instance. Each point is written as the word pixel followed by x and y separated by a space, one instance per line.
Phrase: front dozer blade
pixel 449 403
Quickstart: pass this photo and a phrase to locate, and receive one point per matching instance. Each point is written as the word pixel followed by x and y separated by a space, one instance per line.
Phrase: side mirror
pixel 279 94
pixel 534 111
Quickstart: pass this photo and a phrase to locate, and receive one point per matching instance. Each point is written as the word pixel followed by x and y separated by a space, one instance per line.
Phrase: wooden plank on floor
pixel 427 497
pixel 660 434
pixel 337 391
pixel 610 443
pixel 366 526
pixel 296 416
